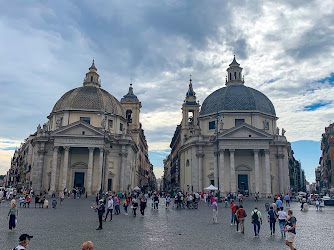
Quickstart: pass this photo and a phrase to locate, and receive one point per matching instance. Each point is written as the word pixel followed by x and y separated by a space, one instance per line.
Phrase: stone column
pixel 280 172
pixel 90 171
pixel 106 170
pixel 232 167
pixel 99 176
pixel 221 170
pixel 257 170
pixel 38 169
pixel 268 175
pixel 54 170
pixel 200 171
pixel 65 168
pixel 215 169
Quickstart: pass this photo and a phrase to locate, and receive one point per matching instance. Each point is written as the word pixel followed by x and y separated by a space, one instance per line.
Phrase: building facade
pixel 325 171
pixel 296 173
pixel 232 141
pixel 91 141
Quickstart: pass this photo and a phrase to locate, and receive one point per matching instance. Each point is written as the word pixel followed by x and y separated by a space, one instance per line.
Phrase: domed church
pixel 231 142
pixel 91 141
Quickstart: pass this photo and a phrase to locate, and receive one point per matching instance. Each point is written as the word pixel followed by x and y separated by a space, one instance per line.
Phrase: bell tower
pixel 190 114
pixel 234 74
pixel 132 106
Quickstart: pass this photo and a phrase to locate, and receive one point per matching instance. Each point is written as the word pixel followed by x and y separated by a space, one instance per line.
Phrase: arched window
pixel 91 78
pixel 187 163
pixel 235 75
pixel 230 76
pixel 239 75
pixel 129 116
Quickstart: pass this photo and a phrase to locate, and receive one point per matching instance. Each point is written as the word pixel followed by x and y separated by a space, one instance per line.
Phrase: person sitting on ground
pixel 88 245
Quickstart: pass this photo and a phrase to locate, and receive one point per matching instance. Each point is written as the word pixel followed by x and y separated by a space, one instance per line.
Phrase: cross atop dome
pixel 92 78
pixel 234 74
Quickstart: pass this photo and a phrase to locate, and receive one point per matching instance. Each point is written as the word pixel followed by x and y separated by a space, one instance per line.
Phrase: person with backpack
pixel 257 221
pixel 233 209
pixel 241 215
pixel 272 217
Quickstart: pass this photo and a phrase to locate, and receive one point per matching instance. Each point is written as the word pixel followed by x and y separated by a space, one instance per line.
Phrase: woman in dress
pixel 12 214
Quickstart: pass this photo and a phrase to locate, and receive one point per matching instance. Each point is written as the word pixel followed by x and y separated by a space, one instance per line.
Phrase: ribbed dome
pixel 89 98
pixel 237 97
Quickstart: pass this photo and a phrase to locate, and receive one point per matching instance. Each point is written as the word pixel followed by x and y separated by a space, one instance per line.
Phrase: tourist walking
pixel 287 200
pixel 12 215
pixel 156 202
pixel 126 205
pixel 100 211
pixel 281 220
pixel 215 211
pixel 241 214
pixel 317 204
pixel 257 221
pixel 134 206
pixel 272 217
pixel 279 203
pixel 142 206
pixel 290 230
pixel 167 201
pixel 109 208
pixel 24 241
pixel 233 209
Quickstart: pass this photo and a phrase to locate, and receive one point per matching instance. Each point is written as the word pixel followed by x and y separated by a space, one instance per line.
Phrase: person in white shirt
pixel 24 240
pixel 282 220
pixel 110 208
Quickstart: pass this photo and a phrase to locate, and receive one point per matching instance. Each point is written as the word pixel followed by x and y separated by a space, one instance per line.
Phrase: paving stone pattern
pixel 74 222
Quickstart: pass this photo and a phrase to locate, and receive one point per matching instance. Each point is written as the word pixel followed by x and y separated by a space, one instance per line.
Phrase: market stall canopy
pixel 211 187
pixel 137 188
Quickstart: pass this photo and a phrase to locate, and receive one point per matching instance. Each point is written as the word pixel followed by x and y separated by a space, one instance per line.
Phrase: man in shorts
pixel 290 230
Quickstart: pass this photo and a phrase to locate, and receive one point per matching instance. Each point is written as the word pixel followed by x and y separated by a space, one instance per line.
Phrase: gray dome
pixel 89 98
pixel 237 97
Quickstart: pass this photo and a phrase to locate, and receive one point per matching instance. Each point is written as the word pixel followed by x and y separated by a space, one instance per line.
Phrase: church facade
pixel 91 141
pixel 231 142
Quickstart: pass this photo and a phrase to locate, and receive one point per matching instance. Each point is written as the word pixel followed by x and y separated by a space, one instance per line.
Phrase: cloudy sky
pixel 285 47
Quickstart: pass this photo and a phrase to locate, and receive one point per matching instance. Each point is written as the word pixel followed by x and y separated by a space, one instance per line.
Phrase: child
pixel 54 204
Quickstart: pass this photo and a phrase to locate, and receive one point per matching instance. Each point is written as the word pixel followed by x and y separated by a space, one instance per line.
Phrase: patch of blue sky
pixel 316 106
pixel 9 148
pixel 272 80
pixel 7 142
pixel 329 79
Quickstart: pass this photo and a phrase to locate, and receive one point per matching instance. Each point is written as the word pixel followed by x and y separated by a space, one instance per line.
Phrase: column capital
pixel 55 148
pixel 41 151
pixel 123 154
pixel 232 150
pixel 222 150
pixel 101 149
pixel 256 150
pixel 91 149
pixel 266 151
pixel 280 156
pixel 67 148
pixel 200 155
pixel 216 153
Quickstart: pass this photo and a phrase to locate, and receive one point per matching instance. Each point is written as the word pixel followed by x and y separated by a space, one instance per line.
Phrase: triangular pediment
pixel 245 131
pixel 79 128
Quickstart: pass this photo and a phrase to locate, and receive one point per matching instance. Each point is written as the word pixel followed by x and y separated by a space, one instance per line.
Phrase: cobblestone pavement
pixel 74 222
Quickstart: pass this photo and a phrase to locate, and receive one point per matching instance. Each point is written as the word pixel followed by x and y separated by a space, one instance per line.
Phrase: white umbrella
pixel 137 188
pixel 211 187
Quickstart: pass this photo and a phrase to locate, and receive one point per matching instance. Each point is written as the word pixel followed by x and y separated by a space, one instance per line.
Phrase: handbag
pixel 245 214
pixel 131 206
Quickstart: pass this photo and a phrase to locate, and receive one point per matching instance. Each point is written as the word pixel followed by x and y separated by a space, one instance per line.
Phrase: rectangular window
pixel 239 121
pixel 212 125
pixel 85 119
pixel 121 126
pixel 110 123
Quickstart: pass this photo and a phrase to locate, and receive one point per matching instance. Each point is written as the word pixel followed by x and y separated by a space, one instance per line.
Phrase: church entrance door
pixel 79 179
pixel 242 183
pixel 109 184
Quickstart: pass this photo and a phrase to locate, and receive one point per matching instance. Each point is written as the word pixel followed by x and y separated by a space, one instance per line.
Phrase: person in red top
pixel 28 200
pixel 212 199
pixel 233 208
pixel 241 214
